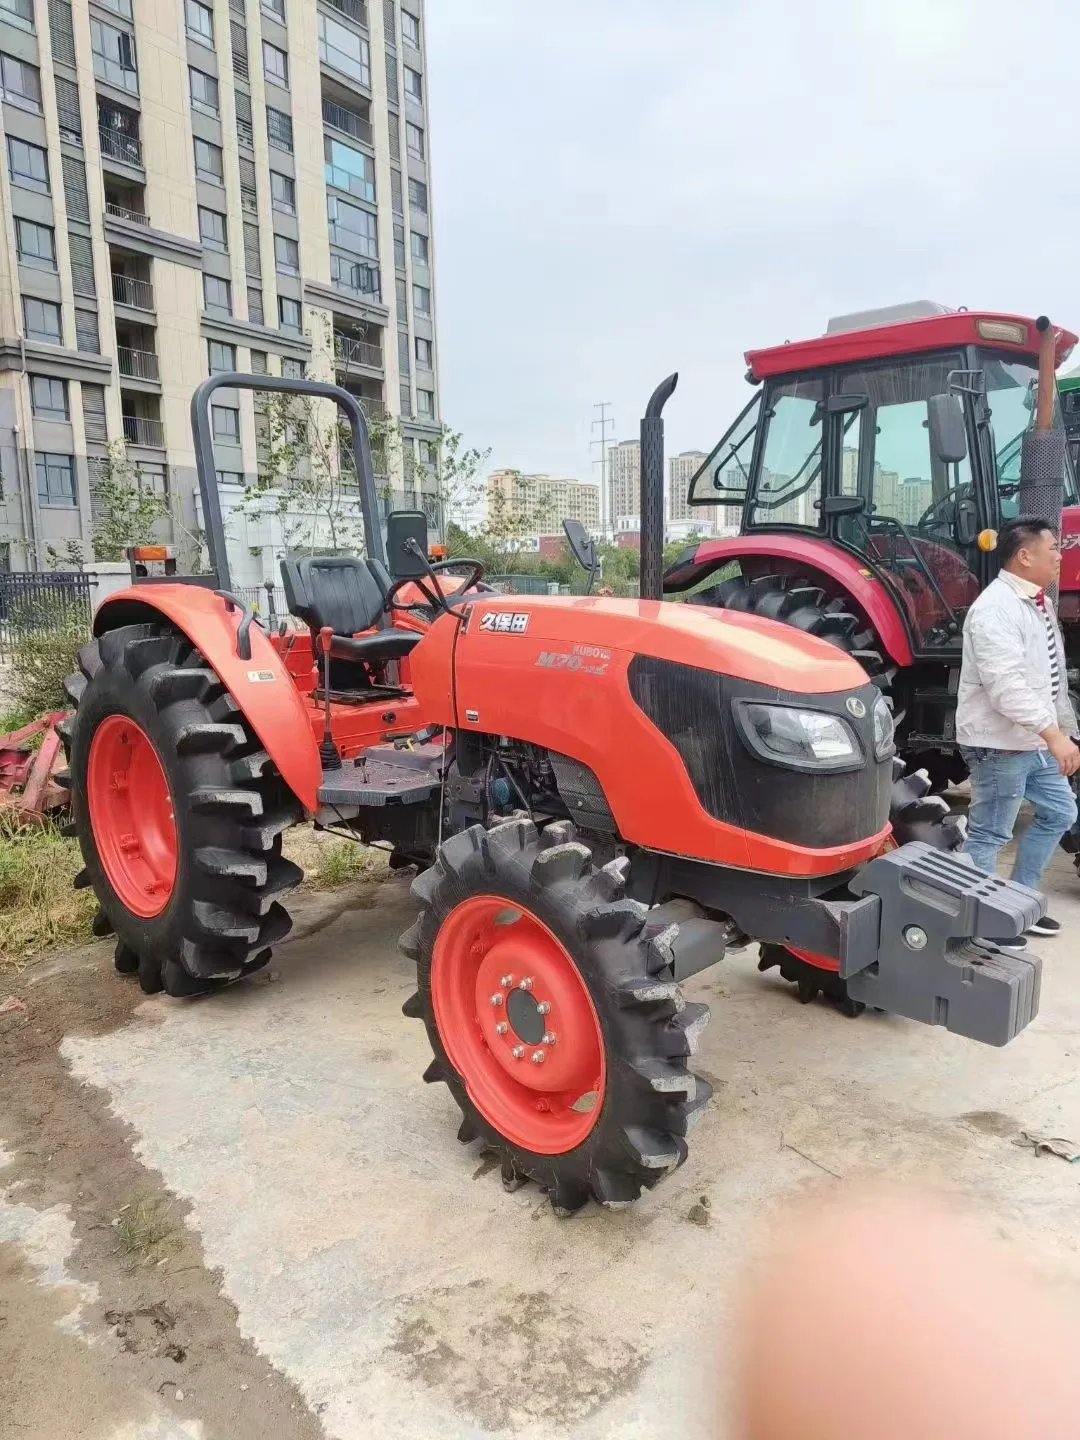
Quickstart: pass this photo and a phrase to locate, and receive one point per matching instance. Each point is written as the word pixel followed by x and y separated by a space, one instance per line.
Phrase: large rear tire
pixel 513 921
pixel 178 811
pixel 915 814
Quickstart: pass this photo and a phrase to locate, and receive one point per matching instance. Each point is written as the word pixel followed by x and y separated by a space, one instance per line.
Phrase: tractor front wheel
pixel 553 1015
pixel 178 812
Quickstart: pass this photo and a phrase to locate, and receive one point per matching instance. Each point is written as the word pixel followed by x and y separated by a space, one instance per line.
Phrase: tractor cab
pixel 896 438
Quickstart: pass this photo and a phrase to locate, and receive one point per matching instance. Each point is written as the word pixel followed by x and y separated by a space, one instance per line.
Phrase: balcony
pixel 122 212
pixel 138 430
pixel 354 10
pixel 117 145
pixel 138 294
pixel 349 122
pixel 350 351
pixel 137 364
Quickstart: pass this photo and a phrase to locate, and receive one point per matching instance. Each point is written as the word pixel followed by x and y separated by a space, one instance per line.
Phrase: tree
pixel 125 512
pixel 515 511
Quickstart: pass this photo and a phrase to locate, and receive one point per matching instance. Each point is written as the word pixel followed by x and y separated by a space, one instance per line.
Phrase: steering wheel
pixel 439 600
pixel 930 519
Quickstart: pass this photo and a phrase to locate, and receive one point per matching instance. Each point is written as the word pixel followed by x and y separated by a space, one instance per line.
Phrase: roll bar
pixel 207 469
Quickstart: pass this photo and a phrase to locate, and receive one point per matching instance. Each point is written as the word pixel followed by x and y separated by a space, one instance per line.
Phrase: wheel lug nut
pixel 549 1037
pixel 497 998
pixel 518 1052
pixel 501 1028
pixel 506 981
pixel 544 1007
pixel 525 983
pixel 538 1057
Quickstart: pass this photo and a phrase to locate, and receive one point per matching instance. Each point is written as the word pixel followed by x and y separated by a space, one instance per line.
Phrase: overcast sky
pixel 623 189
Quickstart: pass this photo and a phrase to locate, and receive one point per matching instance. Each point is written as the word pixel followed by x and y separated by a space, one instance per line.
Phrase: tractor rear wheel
pixel 915 814
pixel 178 812
pixel 553 1016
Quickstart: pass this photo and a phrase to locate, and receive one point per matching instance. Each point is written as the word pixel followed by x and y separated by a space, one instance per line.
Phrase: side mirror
pixel 948 433
pixel 582 547
pixel 406 544
pixel 843 505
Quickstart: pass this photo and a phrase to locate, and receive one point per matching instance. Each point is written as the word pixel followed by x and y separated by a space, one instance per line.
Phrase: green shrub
pixel 41 659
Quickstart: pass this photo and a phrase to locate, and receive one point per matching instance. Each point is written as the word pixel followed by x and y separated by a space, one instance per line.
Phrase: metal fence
pixel 39 602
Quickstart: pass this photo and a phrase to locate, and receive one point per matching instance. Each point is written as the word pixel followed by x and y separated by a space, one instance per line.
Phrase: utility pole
pixel 603 423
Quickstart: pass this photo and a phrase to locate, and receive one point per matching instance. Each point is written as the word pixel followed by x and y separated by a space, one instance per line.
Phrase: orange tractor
pixel 601 796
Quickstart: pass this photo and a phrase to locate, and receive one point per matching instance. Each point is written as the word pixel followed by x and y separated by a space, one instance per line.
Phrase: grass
pixel 147 1231
pixel 328 862
pixel 40 908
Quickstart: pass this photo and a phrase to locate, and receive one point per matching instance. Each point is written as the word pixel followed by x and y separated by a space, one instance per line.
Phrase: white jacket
pixel 1006 697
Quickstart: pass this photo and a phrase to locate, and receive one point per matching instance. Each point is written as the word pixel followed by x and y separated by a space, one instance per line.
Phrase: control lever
pixel 328 751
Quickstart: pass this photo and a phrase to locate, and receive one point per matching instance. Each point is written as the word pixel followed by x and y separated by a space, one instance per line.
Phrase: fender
pixel 798 552
pixel 270 702
pixel 1069 591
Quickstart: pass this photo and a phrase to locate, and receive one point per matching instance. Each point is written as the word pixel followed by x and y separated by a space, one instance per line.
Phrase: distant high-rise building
pixel 681 470
pixel 544 501
pixel 624 480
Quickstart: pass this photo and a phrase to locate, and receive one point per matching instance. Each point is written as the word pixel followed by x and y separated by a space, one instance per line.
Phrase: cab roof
pixel 875 337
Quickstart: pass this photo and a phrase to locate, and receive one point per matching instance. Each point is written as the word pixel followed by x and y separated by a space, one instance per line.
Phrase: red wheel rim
pixel 131 814
pixel 505 990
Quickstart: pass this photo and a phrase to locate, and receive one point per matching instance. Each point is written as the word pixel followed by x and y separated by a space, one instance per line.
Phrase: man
pixel 1014 722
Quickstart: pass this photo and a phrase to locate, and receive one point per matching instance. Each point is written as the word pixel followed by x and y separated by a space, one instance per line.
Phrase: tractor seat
pixel 349 595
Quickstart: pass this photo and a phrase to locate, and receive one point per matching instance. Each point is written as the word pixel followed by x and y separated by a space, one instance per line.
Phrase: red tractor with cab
pixel 600 796
pixel 867 477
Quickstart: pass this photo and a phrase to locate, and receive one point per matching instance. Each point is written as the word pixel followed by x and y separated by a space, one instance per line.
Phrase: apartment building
pixel 546 500
pixel 624 482
pixel 191 186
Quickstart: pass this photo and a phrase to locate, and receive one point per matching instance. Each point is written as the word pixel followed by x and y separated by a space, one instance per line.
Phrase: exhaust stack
pixel 652 491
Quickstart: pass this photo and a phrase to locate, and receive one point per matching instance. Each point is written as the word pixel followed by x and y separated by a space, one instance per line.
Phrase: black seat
pixel 349 595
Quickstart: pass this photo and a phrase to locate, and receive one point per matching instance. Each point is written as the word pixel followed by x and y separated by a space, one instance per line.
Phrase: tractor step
pixel 385 775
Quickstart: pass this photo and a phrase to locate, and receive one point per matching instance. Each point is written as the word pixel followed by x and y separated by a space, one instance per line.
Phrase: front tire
pixel 528 918
pixel 178 811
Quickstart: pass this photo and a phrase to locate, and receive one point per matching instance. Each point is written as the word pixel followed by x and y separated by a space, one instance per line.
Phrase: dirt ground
pixel 246 1218
pixel 111 1323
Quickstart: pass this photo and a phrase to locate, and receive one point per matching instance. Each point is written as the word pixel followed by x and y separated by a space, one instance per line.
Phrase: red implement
pixel 28 787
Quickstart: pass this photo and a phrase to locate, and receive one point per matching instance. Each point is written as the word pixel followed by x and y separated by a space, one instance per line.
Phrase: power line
pixel 603 423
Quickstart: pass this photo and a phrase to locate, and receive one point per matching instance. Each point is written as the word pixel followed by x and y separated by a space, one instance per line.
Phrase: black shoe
pixel 1045 926
pixel 1015 946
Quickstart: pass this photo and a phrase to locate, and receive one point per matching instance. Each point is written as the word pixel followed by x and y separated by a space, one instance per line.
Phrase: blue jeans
pixel 1000 779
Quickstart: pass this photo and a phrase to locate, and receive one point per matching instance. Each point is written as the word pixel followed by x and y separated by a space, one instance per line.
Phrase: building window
pixel 119 7
pixel 345 50
pixel 222 357
pixel 283 192
pixel 204 91
pixel 355 275
pixel 36 245
pixel 55 480
pixel 410 28
pixel 276 8
pixel 41 320
pixel 114 56
pixel 255 307
pixel 424 353
pixel 421 299
pixel 292 369
pixel 226 423
pixel 279 129
pixel 418 195
pixel 414 85
pixel 290 314
pixel 352 228
pixel 48 397
pixel 18 12
pixel 275 65
pixel 286 255
pixel 199 20
pixel 425 404
pixel 399 246
pixel 217 295
pixel 20 83
pixel 212 229
pixel 419 249
pixel 258 363
pixel 229 477
pixel 208 162
pixel 68 114
pixel 414 140
pixel 349 169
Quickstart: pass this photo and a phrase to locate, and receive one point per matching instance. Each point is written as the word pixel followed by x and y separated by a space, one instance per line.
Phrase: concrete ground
pixel 381 1274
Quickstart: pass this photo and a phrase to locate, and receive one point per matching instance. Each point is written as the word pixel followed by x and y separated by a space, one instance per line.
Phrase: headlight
pixel 800 739
pixel 883 729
